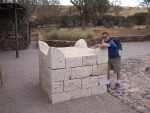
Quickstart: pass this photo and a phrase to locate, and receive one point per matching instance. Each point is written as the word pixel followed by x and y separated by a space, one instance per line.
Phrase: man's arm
pixel 105 45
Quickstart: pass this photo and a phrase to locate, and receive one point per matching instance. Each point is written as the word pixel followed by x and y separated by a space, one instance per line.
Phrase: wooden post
pixel 16 32
pixel 1 81
pixel 29 33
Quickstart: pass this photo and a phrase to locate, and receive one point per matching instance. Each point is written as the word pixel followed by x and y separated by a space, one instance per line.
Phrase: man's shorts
pixel 114 64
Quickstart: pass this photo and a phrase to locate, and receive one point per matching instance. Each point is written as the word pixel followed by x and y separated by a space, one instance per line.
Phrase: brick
pixel 100 69
pixel 102 79
pixel 80 93
pixel 57 87
pixel 59 97
pixel 89 82
pixel 60 74
pixel 70 85
pixel 89 60
pixel 73 62
pixel 102 55
pixel 56 58
pixel 80 72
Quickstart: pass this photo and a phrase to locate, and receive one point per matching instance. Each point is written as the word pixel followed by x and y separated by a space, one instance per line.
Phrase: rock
pixel 147 70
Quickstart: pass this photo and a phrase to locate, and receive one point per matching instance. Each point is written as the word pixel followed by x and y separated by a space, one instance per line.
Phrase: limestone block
pixel 43 47
pixel 80 72
pixel 73 62
pixel 60 74
pixel 44 81
pixel 70 85
pixel 101 69
pixel 102 79
pixel 59 97
pixel 81 44
pixel 80 93
pixel 102 55
pixel 90 81
pixel 56 58
pixel 99 90
pixel 89 60
pixel 57 87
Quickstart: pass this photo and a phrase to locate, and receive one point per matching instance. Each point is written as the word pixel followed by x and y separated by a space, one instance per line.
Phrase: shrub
pixel 139 18
pixel 69 35
pixel 148 20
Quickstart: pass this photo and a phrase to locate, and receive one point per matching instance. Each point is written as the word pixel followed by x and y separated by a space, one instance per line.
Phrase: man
pixel 114 61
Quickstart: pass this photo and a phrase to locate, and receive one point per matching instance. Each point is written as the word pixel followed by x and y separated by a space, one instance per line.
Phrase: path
pixel 21 92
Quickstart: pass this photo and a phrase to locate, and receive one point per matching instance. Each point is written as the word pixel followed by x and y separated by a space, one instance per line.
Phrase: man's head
pixel 105 36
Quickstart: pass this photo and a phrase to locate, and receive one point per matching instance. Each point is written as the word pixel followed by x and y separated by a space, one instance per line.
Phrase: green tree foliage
pixel 89 9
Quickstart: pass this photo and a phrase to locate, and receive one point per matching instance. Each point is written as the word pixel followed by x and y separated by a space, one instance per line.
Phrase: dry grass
pixel 66 34
pixel 136 31
pixel 127 11
pixel 96 32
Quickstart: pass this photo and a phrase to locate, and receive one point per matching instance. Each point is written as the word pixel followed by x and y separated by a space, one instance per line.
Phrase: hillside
pixel 125 11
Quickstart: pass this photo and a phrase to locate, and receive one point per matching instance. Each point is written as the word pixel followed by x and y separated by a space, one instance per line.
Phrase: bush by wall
pixel 69 35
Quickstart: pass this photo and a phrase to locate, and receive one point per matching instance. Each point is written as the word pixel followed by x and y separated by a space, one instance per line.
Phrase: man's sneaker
pixel 117 86
pixel 108 86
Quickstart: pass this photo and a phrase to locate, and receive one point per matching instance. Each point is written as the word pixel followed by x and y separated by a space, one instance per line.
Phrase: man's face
pixel 105 37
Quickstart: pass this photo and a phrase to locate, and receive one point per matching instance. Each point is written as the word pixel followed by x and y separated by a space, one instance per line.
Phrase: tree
pixel 116 7
pixel 89 9
pixel 145 3
pixel 48 11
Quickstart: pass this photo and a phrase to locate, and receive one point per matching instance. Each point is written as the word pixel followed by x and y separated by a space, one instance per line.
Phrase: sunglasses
pixel 104 37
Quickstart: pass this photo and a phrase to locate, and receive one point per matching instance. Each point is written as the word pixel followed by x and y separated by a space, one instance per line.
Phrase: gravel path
pixel 21 92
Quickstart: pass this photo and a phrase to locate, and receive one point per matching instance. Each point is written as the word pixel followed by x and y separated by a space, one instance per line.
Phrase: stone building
pixel 7 26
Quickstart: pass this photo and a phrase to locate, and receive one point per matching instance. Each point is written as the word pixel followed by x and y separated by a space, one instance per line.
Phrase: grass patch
pixel 71 35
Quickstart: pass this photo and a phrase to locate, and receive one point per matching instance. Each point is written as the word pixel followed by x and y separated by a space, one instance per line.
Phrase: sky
pixel 131 3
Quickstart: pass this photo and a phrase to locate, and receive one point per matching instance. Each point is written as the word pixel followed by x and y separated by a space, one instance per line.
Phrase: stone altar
pixel 72 72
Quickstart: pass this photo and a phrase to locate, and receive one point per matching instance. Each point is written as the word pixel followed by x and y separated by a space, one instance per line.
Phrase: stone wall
pixel 7 29
pixel 61 43
pixel 72 72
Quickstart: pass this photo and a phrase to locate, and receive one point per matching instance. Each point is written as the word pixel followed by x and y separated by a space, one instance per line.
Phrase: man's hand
pixel 98 46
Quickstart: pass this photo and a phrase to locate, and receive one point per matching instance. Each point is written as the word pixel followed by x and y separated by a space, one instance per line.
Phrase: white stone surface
pixel 59 97
pixel 43 47
pixel 57 87
pixel 72 72
pixel 56 58
pixel 89 60
pixel 73 62
pixel 60 74
pixel 76 52
pixel 102 55
pixel 80 93
pixel 81 72
pixel 81 44
pixel 102 79
pixel 70 85
pixel 101 69
pixel 99 90
pixel 90 81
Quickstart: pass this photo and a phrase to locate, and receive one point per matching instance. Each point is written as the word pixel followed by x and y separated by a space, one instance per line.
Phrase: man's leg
pixel 118 78
pixel 117 70
pixel 108 80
